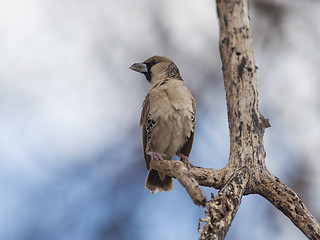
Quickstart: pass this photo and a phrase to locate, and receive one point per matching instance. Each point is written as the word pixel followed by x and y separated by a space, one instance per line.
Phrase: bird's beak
pixel 139 67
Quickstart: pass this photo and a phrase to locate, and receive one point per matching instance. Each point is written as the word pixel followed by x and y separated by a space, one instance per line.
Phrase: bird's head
pixel 157 68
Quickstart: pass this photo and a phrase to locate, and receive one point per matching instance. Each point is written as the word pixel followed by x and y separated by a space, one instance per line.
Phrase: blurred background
pixel 70 143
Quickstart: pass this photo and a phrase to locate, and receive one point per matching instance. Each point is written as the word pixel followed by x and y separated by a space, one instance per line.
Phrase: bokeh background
pixel 70 143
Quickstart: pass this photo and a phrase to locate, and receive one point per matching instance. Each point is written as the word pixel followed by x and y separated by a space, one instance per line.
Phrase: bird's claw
pixel 157 156
pixel 185 160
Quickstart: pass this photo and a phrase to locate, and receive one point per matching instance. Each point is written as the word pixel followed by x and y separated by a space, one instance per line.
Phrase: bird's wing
pixel 146 123
pixel 186 149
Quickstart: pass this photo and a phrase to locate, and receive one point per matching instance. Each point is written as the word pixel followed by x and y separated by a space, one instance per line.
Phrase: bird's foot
pixel 185 160
pixel 157 156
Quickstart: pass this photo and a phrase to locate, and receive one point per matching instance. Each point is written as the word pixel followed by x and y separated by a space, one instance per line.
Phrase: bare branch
pixel 223 208
pixel 290 204
pixel 179 170
pixel 208 177
pixel 247 128
pixel 246 171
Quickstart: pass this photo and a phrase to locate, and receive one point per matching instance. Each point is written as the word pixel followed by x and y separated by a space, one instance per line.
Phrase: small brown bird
pixel 167 118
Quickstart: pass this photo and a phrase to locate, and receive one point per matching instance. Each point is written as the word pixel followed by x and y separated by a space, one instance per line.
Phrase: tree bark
pixel 246 171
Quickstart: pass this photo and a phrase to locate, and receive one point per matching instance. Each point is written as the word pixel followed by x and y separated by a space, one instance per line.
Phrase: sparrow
pixel 167 118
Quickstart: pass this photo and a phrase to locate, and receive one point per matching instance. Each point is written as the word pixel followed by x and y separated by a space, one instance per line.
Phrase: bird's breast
pixel 171 108
pixel 171 102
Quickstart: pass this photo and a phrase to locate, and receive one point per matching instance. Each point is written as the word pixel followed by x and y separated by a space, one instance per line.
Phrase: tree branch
pixel 179 171
pixel 290 204
pixel 246 171
pixel 223 208
pixel 208 177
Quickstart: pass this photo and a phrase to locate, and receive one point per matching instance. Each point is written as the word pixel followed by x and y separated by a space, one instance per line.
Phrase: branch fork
pixel 246 171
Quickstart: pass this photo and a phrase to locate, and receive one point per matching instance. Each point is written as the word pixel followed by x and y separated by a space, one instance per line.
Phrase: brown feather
pixel 143 122
pixel 186 149
pixel 157 59
pixel 163 74
pixel 155 181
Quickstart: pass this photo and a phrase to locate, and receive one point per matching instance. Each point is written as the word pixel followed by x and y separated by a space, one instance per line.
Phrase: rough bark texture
pixel 185 176
pixel 246 171
pixel 289 203
pixel 223 208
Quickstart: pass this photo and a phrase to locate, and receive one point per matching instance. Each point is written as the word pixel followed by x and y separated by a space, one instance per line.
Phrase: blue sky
pixel 71 159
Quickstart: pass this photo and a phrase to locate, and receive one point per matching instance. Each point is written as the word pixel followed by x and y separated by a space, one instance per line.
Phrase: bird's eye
pixel 153 62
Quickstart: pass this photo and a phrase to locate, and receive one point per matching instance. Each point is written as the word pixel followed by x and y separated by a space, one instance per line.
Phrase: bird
pixel 167 118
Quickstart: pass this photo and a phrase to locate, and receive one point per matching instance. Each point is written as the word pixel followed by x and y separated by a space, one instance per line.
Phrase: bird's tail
pixel 154 183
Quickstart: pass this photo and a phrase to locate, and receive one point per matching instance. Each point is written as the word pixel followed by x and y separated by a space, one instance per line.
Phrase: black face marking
pixel 152 63
pixel 172 71
pixel 147 75
pixel 149 66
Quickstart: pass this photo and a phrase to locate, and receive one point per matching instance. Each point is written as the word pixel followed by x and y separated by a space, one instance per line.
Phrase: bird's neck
pixel 157 78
